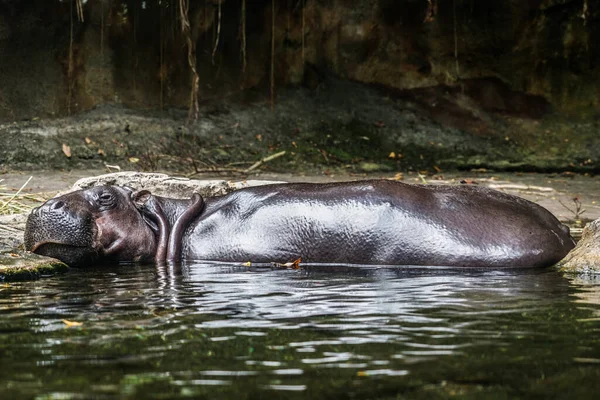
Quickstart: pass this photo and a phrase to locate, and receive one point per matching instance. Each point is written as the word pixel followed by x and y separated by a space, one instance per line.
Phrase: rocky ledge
pixel 19 265
pixel 585 257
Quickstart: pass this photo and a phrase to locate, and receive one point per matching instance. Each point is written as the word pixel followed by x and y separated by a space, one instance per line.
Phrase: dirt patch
pixel 338 126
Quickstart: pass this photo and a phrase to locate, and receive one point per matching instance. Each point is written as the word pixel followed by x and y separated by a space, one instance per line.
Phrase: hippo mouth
pixel 70 254
pixel 42 246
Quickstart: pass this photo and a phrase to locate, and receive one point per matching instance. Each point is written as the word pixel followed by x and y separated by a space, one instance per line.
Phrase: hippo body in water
pixel 376 222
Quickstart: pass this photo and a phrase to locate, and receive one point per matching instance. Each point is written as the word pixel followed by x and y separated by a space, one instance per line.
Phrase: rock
pixel 168 186
pixel 26 266
pixel 11 230
pixel 585 257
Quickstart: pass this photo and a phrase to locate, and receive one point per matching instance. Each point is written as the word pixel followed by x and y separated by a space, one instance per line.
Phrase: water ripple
pixel 202 330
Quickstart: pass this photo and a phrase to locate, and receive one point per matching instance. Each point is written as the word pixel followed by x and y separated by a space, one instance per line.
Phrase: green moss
pixel 25 266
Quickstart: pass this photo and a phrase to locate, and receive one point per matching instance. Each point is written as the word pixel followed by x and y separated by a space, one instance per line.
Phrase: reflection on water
pixel 230 332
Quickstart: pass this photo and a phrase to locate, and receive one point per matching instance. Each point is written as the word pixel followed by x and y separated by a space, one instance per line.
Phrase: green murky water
pixel 208 331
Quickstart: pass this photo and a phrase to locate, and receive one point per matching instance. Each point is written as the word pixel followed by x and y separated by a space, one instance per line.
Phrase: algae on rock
pixel 26 266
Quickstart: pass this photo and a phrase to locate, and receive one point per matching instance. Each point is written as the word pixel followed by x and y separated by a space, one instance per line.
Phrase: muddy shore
pixel 339 126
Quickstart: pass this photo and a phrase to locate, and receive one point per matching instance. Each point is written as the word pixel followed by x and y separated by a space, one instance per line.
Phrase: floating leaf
pixel 71 323
pixel 293 264
pixel 67 150
pixel 247 264
pixel 392 155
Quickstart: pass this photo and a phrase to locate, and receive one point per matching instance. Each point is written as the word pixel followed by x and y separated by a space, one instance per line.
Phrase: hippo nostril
pixel 57 204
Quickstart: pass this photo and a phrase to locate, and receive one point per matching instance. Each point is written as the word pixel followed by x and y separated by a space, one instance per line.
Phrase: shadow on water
pixel 214 331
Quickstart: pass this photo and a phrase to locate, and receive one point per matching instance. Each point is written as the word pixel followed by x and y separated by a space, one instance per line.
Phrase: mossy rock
pixel 585 257
pixel 26 266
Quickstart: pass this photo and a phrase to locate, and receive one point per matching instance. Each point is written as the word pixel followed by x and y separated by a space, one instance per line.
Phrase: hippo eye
pixel 106 199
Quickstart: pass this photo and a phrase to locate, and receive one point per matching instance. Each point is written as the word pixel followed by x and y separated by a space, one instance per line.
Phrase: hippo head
pixel 104 222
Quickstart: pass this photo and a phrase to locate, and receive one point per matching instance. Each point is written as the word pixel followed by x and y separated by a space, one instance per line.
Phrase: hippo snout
pixel 64 232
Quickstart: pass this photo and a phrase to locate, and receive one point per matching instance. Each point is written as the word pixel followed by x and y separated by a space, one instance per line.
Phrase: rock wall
pixel 516 75
pixel 134 52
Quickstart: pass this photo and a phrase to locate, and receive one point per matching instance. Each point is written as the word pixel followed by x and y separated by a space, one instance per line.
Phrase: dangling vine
pixel 79 6
pixel 272 54
pixel 243 32
pixel 71 68
pixel 136 59
pixel 102 29
pixel 161 53
pixel 184 7
pixel 218 32
pixel 303 28
pixel 455 40
pixel 585 13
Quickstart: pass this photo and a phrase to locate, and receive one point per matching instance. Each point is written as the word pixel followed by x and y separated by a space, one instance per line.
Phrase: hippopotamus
pixel 370 222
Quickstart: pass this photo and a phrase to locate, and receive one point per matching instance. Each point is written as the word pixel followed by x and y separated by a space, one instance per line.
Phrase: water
pixel 210 331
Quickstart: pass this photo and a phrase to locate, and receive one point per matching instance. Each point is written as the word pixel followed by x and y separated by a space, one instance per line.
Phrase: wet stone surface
pixel 585 257
pixel 17 265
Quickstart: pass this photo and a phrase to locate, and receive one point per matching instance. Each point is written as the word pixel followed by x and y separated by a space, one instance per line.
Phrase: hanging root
pixel 272 54
pixel 303 29
pixel 102 29
pixel 79 7
pixel 184 6
pixel 455 41
pixel 218 33
pixel 243 29
pixel 70 67
pixel 161 50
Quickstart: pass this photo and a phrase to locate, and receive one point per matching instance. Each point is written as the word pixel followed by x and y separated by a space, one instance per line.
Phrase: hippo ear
pixel 139 198
pixel 148 207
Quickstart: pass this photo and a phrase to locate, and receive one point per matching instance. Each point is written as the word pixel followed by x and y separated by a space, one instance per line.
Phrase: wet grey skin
pixel 373 222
